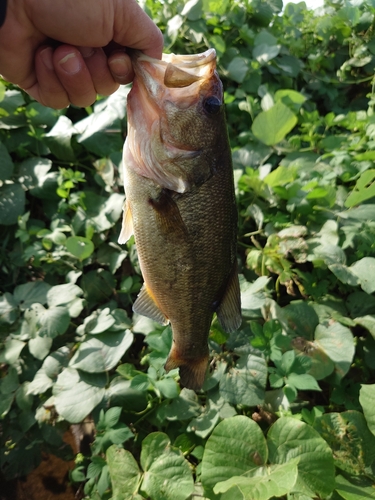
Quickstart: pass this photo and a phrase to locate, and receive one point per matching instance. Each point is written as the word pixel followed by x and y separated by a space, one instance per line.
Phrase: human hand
pixel 90 59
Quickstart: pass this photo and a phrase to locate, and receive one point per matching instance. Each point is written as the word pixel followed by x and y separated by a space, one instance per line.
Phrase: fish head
pixel 176 119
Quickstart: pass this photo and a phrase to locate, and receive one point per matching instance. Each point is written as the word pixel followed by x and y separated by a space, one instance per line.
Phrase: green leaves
pixel 235 461
pixel 289 439
pixel 166 475
pixel 101 352
pixel 80 247
pixel 271 126
pixel 273 481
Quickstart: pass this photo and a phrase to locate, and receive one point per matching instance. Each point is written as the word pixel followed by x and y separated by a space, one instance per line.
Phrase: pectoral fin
pixel 146 306
pixel 229 310
pixel 168 216
pixel 127 224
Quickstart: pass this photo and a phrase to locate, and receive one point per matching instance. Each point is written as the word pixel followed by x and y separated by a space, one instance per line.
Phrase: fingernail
pixel 119 67
pixel 87 51
pixel 46 56
pixel 70 64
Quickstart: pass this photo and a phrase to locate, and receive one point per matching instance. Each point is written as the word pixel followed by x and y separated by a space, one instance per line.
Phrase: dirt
pixel 49 481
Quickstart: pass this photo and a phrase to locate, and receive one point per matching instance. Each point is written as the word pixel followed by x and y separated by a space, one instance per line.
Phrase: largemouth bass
pixel 180 204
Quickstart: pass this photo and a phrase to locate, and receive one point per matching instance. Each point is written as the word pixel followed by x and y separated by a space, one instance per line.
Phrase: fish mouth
pixel 161 89
pixel 174 71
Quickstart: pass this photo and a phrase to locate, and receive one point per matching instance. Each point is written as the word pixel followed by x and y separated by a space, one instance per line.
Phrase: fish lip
pixel 173 70
pixel 181 61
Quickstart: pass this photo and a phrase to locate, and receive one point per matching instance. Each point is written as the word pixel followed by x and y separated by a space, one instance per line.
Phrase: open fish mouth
pixel 174 71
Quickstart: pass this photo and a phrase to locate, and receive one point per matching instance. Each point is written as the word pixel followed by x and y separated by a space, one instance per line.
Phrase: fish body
pixel 180 204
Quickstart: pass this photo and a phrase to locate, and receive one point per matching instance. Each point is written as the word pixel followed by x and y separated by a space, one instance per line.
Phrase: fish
pixel 180 204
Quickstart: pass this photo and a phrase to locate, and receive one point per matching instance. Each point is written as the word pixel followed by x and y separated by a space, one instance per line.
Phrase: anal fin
pixel 229 309
pixel 127 224
pixel 146 306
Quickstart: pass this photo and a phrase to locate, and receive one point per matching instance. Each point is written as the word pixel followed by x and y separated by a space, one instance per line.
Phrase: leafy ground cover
pixel 288 407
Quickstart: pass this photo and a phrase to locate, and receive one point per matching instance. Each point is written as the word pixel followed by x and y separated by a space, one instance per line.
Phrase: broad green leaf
pixel 365 270
pixel 245 382
pixel 168 387
pixel 204 423
pixel 367 399
pixel 349 438
pixel 289 438
pixel 80 247
pixel 35 175
pixel 337 342
pixel 167 474
pixel 153 446
pixel 61 295
pixel 47 374
pixel 30 293
pixel 303 382
pixel 59 139
pixel 72 388
pixel 299 318
pixel 39 347
pixel 237 69
pixel 235 448
pixel 98 285
pixel 12 351
pixel 6 164
pixel 12 203
pixel 54 321
pixel 102 352
pixel 358 488
pixel 270 481
pixel 363 212
pixel 100 321
pixel 290 98
pixel 344 274
pixel 112 416
pixel 280 177
pixel 263 53
pixel 184 407
pixel 103 212
pixel 124 472
pixel 271 126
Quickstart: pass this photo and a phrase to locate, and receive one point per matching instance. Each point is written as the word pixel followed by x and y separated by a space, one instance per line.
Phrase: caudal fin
pixel 192 371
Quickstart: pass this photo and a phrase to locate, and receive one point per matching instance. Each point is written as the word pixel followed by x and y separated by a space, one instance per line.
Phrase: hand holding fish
pixel 67 51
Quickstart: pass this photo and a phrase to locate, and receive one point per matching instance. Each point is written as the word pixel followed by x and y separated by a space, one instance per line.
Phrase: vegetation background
pixel 288 409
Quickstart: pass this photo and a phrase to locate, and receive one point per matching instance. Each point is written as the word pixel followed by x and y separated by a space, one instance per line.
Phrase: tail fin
pixel 192 371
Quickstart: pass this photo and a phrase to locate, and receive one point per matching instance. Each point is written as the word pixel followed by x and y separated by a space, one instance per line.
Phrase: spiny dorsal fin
pixel 229 310
pixel 146 306
pixel 127 224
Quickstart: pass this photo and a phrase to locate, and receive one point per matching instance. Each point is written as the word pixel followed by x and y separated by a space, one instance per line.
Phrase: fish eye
pixel 212 105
